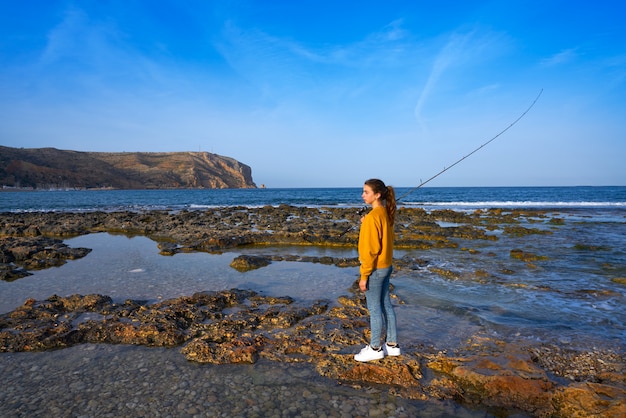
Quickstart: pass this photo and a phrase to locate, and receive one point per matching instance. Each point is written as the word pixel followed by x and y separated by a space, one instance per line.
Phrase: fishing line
pixel 474 151
pixel 361 211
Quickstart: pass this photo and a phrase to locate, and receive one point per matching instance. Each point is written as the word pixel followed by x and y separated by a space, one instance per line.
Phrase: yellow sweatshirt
pixel 375 241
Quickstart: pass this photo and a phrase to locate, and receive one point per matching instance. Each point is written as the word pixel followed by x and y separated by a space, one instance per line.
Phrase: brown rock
pixel 34 253
pixel 505 380
pixel 583 400
pixel 245 263
pixel 238 350
pixel 389 371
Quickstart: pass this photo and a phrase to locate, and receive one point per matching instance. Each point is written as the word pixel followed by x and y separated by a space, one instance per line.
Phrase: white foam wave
pixel 199 206
pixel 499 204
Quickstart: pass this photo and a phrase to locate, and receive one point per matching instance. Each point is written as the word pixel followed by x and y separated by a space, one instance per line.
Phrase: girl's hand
pixel 363 284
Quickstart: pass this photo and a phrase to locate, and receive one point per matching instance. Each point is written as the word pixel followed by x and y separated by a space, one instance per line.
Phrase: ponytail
pixel 387 194
pixel 390 204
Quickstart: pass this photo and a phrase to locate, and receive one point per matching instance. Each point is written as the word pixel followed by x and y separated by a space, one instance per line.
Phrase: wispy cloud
pixel 282 72
pixel 448 56
pixel 463 53
pixel 92 55
pixel 562 57
pixel 64 38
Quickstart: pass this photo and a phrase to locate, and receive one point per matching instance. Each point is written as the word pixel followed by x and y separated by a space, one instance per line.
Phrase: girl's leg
pixel 373 296
pixel 388 311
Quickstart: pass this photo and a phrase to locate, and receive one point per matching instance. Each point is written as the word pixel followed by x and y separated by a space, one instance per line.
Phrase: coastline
pixel 541 378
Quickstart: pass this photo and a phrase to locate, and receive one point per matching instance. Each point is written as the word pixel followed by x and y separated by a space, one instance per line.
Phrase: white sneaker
pixel 391 350
pixel 368 353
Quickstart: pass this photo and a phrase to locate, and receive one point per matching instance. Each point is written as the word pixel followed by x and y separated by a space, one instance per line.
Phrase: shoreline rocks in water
pixel 240 326
pixel 218 229
pixel 18 255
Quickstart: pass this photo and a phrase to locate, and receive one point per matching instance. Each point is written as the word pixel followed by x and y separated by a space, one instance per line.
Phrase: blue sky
pixel 327 93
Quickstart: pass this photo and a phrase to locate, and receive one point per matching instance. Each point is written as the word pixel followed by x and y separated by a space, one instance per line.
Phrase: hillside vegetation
pixel 51 168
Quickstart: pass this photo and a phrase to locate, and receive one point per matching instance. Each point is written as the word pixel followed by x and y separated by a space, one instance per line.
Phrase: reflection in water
pixel 132 268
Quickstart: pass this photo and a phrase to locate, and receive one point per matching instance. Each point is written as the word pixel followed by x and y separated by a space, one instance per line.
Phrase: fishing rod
pixel 422 183
pixel 474 151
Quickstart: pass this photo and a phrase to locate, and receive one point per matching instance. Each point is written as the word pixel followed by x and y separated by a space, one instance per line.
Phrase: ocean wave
pixel 502 204
pixel 604 198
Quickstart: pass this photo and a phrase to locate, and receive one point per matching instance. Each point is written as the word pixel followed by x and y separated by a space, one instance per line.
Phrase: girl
pixel 376 255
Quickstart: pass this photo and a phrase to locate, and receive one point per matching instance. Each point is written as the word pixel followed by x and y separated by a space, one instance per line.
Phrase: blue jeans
pixel 380 307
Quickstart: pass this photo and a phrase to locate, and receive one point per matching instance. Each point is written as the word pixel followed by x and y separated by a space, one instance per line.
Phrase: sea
pixel 574 297
pixel 427 197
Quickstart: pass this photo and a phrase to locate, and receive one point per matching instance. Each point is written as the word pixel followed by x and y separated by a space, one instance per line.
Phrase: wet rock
pixel 526 256
pixel 168 248
pixel 238 350
pixel 620 280
pixel 59 321
pixel 336 261
pixel 34 253
pixel 448 274
pixel 521 231
pixel 581 366
pixel 389 371
pixel 6 255
pixel 10 272
pixel 590 400
pixel 507 380
pixel 76 303
pixel 588 247
pixel 245 263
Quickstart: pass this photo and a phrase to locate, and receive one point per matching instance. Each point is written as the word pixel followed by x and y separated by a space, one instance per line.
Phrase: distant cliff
pixel 50 168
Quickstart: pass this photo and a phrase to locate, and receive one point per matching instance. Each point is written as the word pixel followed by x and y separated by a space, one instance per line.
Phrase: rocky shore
pixel 241 326
pixel 51 168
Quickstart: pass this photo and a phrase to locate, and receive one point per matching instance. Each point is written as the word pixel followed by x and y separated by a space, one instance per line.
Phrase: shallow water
pixel 567 297
pixel 114 381
pixel 132 268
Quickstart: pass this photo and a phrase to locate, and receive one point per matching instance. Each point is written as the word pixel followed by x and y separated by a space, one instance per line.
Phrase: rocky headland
pixel 50 168
pixel 241 326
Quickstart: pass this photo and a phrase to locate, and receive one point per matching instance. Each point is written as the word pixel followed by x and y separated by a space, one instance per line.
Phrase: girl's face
pixel 369 197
